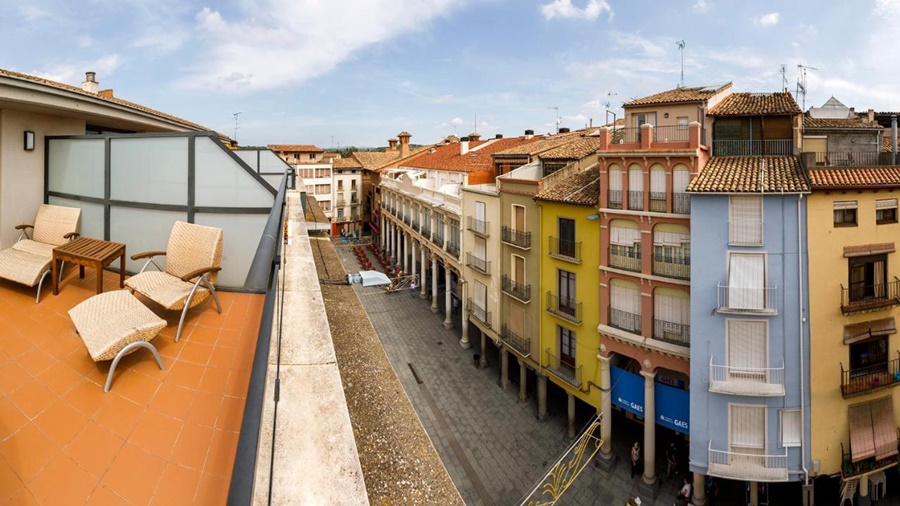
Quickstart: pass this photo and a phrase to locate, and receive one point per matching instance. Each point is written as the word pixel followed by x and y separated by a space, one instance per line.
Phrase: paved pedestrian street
pixel 492 444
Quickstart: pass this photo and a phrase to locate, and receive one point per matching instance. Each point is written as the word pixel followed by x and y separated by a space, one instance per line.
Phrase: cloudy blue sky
pixel 356 72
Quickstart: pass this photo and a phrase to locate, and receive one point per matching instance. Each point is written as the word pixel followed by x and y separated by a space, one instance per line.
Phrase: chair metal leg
pixel 37 298
pixel 212 290
pixel 125 351
pixel 183 314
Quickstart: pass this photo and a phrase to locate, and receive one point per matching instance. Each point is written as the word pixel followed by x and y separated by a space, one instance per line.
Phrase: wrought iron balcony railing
pixel 438 240
pixel 624 257
pixel 862 298
pixel 564 369
pixel 517 237
pixel 781 147
pixel 868 379
pixel 852 158
pixel 747 465
pixel 565 249
pixel 636 200
pixel 746 381
pixel 477 226
pixel 681 203
pixel 671 332
pixel 676 268
pixel 479 313
pixel 658 202
pixel 615 199
pixel 426 231
pixel 517 290
pixel 453 248
pixel 850 469
pixel 519 343
pixel 478 264
pixel 751 300
pixel 564 307
pixel 624 320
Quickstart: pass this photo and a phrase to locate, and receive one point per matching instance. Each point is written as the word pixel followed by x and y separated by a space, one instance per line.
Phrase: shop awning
pixel 872 430
pixel 872 328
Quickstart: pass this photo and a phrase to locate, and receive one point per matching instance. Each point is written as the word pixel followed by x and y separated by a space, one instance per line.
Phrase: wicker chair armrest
pixel 147 254
pixel 199 272
pixel 71 235
pixel 23 226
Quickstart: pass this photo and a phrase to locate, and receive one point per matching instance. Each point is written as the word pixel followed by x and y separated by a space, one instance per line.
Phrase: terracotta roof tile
pixel 375 159
pixel 756 104
pixel 107 97
pixel 346 163
pixel 855 177
pixel 832 123
pixel 581 188
pixel 300 148
pixel 886 145
pixel 478 158
pixel 540 145
pixel 678 96
pixel 740 174
pixel 575 150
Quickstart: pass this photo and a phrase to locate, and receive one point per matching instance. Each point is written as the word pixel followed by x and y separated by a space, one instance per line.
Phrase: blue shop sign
pixel 627 390
pixel 672 408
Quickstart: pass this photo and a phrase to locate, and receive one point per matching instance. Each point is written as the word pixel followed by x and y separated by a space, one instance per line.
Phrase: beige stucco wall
pixel 22 172
pixel 491 200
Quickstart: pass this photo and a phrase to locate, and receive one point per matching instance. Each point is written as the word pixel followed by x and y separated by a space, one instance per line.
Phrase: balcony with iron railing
pixel 564 370
pixel 658 202
pixel 479 313
pixel 635 200
pixel 516 238
pixel 865 298
pixel 614 199
pixel 340 201
pixel 746 381
pixel 564 307
pixel 477 227
pixel 438 239
pixel 852 158
pixel 453 248
pixel 478 264
pixel 851 469
pixel 519 343
pixel 565 249
pixel 625 257
pixel 415 225
pixel 426 230
pixel 871 378
pixel 673 267
pixel 517 290
pixel 749 147
pixel 672 332
pixel 746 465
pixel 747 300
pixel 681 203
pixel 625 320
pixel 406 219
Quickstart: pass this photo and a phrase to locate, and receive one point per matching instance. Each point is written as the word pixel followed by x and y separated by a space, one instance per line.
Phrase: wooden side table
pixel 95 253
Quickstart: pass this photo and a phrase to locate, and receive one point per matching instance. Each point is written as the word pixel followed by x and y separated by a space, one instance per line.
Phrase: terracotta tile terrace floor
pixel 163 437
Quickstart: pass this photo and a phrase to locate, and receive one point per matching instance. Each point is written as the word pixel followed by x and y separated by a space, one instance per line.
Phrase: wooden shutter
pixel 748 427
pixel 746 281
pixel 745 220
pixel 658 180
pixel 615 179
pixel 747 349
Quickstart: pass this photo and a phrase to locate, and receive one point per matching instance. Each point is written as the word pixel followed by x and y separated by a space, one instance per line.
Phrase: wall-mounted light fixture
pixel 29 140
pixel 593 217
pixel 666 115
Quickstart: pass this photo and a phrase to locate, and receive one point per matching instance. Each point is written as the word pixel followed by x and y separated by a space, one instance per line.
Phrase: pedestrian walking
pixel 635 458
pixel 671 461
pixel 684 495
pixel 412 289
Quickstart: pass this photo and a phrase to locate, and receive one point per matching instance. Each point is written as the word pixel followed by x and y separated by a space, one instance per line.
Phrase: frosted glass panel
pixel 241 237
pixel 270 162
pixel 142 230
pixel 76 166
pixel 222 182
pixel 91 216
pixel 275 181
pixel 153 170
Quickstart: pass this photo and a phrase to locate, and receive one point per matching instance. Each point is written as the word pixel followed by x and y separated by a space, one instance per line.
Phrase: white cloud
pixel 565 9
pixel 455 122
pixel 770 19
pixel 32 12
pixel 274 43
pixel 700 6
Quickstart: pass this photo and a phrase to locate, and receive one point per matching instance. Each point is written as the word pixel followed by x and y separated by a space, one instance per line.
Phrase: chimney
pixel 404 143
pixel 392 144
pixel 871 115
pixel 529 134
pixel 90 83
pixel 498 136
pixel 474 136
pixel 564 130
pixel 463 146
pixel 106 93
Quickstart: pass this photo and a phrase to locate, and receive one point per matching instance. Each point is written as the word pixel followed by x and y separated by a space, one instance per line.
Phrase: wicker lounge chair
pixel 193 259
pixel 28 260
pixel 114 324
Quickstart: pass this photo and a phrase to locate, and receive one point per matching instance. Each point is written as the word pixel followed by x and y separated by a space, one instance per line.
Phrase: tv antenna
pixel 801 83
pixel 557 116
pixel 784 85
pixel 680 44
pixel 608 112
pixel 236 124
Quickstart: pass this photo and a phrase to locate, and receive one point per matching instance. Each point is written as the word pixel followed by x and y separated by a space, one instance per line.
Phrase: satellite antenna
pixel 680 45
pixel 801 83
pixel 784 85
pixel 557 117
pixel 236 124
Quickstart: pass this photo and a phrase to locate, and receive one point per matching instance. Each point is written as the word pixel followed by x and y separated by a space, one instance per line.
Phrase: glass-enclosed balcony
pixel 625 257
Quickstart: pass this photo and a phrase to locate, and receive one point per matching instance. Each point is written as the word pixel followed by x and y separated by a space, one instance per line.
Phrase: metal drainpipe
pixel 802 348
pixel 894 139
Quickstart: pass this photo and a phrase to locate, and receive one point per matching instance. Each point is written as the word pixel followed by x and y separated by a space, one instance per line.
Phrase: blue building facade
pixel 749 396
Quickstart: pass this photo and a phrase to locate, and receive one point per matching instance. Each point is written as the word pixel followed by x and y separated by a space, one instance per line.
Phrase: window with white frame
pixel 681 200
pixel 885 211
pixel 658 189
pixel 747 429
pixel 745 220
pixel 671 315
pixel 636 188
pixel 615 187
pixel 845 213
pixel 747 282
pixel 790 428
pixel 747 349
